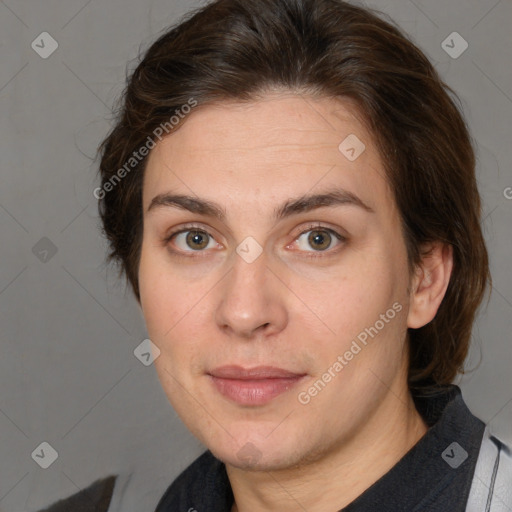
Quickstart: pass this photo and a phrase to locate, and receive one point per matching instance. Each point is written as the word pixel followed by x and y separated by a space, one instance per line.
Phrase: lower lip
pixel 254 392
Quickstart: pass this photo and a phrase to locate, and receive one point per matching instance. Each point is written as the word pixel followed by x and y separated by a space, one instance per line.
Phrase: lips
pixel 253 386
pixel 259 372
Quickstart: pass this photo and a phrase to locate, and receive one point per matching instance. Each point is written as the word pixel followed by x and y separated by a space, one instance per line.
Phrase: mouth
pixel 253 386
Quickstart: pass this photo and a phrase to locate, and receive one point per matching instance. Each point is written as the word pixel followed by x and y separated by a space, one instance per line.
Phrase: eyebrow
pixel 293 206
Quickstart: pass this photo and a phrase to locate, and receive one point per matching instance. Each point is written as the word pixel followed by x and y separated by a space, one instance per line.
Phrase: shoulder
pixel 203 485
pixel 95 498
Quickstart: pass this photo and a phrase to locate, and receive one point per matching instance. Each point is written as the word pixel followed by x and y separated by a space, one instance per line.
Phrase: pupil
pixel 316 238
pixel 194 238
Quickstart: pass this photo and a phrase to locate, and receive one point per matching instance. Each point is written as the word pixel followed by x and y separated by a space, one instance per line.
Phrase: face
pixel 273 277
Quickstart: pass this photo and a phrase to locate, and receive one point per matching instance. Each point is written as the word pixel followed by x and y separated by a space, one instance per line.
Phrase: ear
pixel 429 284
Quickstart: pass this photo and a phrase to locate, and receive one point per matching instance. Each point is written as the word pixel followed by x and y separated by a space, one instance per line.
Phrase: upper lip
pixel 258 372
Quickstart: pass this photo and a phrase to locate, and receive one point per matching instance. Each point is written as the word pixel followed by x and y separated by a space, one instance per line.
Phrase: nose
pixel 251 301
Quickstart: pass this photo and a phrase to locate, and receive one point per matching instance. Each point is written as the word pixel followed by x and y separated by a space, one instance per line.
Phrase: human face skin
pixel 206 306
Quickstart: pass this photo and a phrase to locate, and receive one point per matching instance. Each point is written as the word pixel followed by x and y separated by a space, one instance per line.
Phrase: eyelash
pixel 310 227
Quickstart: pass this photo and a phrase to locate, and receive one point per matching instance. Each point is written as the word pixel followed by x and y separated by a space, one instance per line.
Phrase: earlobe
pixel 430 284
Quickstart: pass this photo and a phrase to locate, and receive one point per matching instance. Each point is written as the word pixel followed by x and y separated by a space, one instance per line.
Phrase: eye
pixel 319 238
pixel 191 240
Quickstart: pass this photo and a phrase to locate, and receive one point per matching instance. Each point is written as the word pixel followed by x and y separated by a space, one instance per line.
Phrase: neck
pixel 338 477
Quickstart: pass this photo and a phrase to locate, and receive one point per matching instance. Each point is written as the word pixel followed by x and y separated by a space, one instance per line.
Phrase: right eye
pixel 190 240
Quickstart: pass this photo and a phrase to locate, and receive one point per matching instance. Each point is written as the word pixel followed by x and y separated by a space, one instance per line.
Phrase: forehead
pixel 279 145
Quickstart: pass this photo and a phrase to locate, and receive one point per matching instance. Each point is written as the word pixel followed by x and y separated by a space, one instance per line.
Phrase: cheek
pixel 158 299
pixel 362 312
pixel 358 294
pixel 170 304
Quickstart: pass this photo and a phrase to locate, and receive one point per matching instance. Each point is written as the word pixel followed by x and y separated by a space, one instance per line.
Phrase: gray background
pixel 69 327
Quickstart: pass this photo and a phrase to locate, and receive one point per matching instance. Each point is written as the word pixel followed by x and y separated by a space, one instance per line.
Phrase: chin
pixel 257 453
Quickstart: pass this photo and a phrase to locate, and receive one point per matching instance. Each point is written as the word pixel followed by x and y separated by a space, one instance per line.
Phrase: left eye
pixel 320 239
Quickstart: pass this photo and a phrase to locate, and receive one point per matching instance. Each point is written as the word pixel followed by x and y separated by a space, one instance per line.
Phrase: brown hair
pixel 238 49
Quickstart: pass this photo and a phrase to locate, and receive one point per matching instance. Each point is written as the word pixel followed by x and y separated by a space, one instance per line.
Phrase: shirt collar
pixel 436 473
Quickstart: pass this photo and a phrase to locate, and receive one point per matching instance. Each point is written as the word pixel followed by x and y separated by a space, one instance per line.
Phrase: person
pixel 290 191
